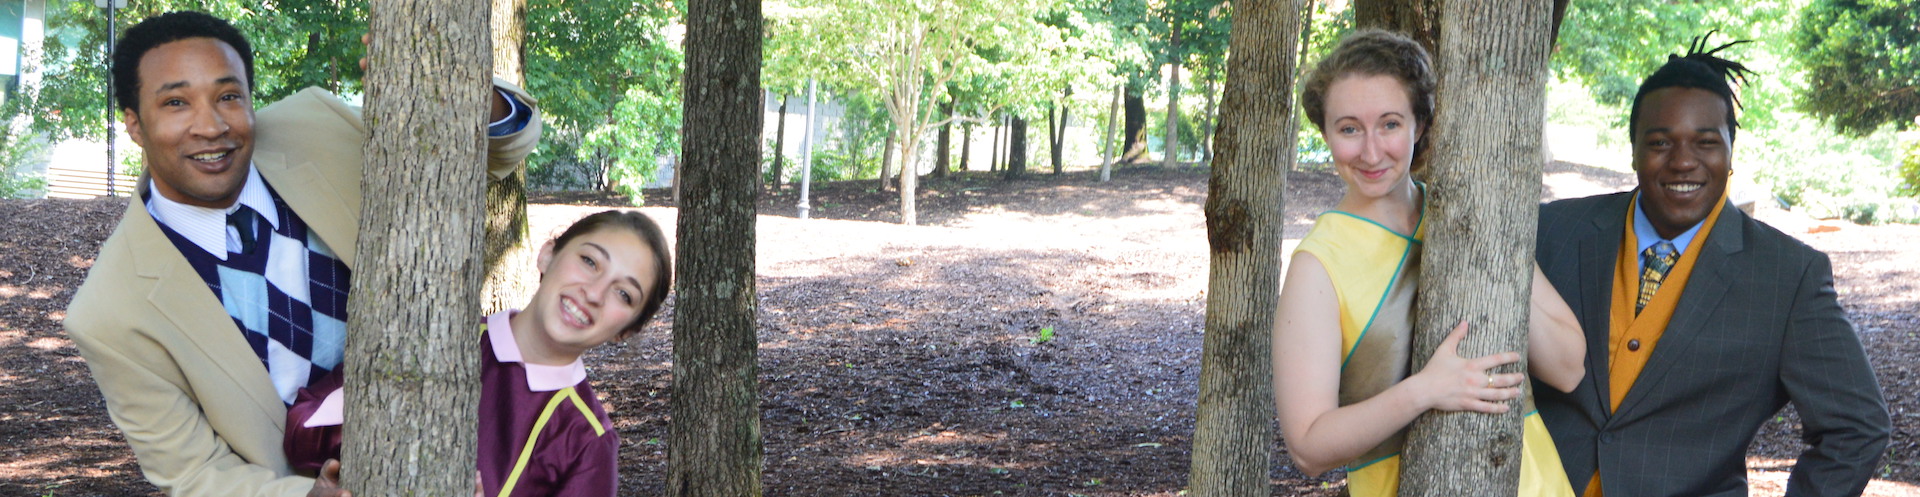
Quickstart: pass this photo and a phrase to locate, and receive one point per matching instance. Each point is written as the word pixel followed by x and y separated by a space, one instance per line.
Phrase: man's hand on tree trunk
pixel 328 484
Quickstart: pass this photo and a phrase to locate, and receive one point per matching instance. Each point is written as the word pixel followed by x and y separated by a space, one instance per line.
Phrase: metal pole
pixel 111 189
pixel 806 156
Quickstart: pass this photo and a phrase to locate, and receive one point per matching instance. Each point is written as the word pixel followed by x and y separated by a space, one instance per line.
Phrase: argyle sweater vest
pixel 288 297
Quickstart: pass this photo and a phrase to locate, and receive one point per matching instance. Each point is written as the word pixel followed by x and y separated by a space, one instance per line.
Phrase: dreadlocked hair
pixel 1699 68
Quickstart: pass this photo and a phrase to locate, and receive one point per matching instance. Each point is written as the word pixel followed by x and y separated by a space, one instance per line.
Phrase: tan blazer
pixel 178 377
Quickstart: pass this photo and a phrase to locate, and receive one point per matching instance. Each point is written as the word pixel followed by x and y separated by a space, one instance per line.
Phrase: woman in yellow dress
pixel 1343 331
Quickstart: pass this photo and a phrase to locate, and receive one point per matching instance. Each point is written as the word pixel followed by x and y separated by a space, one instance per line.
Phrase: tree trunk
pixel 509 248
pixel 713 439
pixel 1053 141
pixel 1418 19
pixel 779 145
pixel 1135 149
pixel 1479 251
pixel 1016 148
pixel 1212 120
pixel 909 179
pixel 943 157
pixel 1233 417
pixel 886 161
pixel 1106 143
pixel 1306 43
pixel 411 354
pixel 1171 145
pixel 966 144
pixel 1059 132
pixel 999 138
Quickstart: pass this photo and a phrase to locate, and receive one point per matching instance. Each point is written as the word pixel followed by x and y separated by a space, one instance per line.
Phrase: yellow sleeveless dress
pixel 1374 272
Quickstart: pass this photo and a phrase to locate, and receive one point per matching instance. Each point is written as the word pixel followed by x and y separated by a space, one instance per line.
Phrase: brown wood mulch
pixel 907 360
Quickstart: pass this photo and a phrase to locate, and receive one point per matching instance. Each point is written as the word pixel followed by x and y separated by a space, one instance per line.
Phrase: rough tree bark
pixel 1106 144
pixel 1233 420
pixel 1016 149
pixel 1479 251
pixel 1135 149
pixel 509 247
pixel 413 311
pixel 713 440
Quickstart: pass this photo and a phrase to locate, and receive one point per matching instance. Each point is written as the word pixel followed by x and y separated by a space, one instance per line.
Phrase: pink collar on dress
pixel 540 378
pixel 500 332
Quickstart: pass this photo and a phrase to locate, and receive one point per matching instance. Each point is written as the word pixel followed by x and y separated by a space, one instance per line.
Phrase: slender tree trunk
pixel 1306 43
pixel 1206 150
pixel 1479 251
pixel 1053 141
pixel 1135 149
pixel 886 161
pixel 713 440
pixel 943 158
pixel 1016 148
pixel 779 145
pixel 509 248
pixel 1106 143
pixel 999 137
pixel 909 178
pixel 1059 132
pixel 1233 417
pixel 411 354
pixel 966 144
pixel 1171 155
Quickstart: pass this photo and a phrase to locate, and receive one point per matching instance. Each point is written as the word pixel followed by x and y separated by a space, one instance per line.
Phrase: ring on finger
pixel 1489 380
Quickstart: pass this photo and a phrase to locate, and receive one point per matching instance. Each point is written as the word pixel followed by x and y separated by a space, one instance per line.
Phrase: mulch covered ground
pixel 902 360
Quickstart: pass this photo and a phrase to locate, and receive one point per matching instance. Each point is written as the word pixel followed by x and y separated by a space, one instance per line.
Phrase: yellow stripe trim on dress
pixel 581 404
pixel 526 451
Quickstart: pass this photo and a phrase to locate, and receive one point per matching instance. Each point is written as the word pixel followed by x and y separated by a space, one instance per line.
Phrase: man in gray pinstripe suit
pixel 1701 322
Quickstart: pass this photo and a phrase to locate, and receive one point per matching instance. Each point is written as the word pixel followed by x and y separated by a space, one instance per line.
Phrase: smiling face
pixel 590 290
pixel 1682 155
pixel 1371 131
pixel 194 119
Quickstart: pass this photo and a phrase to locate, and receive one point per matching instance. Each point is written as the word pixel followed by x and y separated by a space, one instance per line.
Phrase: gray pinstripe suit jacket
pixel 1758 326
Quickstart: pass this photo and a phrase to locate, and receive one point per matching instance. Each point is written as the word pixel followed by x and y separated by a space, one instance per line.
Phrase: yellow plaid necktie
pixel 1655 261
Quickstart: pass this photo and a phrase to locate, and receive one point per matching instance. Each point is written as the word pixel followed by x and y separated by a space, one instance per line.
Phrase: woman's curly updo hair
pixel 1374 52
pixel 1701 69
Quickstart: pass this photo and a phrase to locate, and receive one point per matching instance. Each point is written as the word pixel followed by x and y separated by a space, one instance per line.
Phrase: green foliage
pixel 1861 59
pixel 20 151
pixel 1046 335
pixel 1910 171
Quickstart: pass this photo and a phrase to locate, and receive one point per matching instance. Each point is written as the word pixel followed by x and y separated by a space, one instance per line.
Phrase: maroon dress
pixel 542 431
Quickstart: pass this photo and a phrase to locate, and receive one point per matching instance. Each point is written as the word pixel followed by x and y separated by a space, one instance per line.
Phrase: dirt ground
pixel 907 361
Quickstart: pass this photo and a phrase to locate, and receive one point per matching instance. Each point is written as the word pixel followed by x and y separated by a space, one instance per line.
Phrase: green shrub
pixel 1910 171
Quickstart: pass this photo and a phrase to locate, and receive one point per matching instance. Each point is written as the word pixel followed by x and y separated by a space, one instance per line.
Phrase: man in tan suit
pixel 198 330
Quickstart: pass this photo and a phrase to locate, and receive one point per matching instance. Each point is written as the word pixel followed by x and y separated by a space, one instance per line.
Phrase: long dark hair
pixel 638 224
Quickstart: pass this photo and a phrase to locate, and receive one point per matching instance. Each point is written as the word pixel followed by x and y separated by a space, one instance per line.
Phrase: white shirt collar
pixel 539 378
pixel 207 227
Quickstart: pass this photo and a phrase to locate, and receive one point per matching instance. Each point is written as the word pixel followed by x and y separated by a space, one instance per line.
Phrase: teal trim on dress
pixel 1382 226
pixel 1398 268
pixel 1357 467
